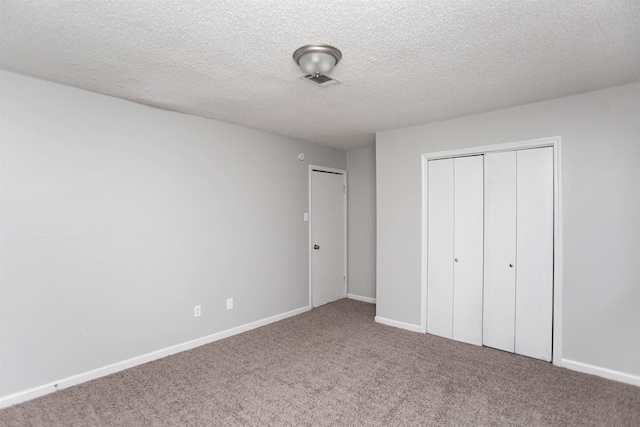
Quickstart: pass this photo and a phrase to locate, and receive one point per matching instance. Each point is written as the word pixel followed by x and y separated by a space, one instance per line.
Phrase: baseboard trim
pixel 361 298
pixel 32 393
pixel 397 324
pixel 601 372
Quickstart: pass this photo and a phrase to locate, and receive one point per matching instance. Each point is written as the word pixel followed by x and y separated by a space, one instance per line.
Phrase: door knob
pixel 456 260
pixel 316 247
pixel 511 265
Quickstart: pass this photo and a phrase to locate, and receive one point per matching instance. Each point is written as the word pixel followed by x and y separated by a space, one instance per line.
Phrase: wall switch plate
pixel 229 303
pixel 306 216
pixel 196 311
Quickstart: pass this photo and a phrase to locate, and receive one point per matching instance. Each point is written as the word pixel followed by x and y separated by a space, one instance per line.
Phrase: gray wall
pixel 601 214
pixel 118 218
pixel 361 166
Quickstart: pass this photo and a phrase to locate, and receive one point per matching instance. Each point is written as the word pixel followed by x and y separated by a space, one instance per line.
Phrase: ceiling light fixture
pixel 317 59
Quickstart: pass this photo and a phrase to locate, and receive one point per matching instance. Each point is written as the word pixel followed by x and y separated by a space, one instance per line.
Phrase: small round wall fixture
pixel 317 59
pixel 301 156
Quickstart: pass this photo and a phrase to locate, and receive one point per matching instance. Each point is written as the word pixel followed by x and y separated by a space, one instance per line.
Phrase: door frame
pixel 556 143
pixel 342 172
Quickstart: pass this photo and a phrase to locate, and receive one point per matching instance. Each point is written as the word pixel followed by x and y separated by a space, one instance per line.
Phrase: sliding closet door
pixel 534 275
pixel 500 251
pixel 440 248
pixel 468 249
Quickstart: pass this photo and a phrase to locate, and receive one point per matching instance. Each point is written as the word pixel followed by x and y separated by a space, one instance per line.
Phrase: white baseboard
pixel 601 372
pixel 42 390
pixel 398 324
pixel 361 298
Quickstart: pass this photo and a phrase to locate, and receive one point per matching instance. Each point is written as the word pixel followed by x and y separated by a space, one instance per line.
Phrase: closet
pixel 490 250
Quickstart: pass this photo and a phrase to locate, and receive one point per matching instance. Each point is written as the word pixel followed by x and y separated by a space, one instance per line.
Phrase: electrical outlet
pixel 196 311
pixel 229 303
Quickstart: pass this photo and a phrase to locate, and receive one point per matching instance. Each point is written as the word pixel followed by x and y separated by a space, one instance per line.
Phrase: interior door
pixel 328 274
pixel 468 249
pixel 455 259
pixel 440 248
pixel 500 251
pixel 518 275
pixel 534 276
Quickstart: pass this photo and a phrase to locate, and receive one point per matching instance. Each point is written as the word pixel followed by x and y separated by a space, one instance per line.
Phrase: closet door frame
pixel 554 142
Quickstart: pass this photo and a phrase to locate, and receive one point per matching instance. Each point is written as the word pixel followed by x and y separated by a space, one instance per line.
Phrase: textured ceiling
pixel 404 62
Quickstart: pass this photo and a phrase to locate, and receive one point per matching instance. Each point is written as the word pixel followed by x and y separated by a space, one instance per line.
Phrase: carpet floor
pixel 334 366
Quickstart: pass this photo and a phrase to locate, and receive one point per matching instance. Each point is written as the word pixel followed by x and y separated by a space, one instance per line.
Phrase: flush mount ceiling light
pixel 317 59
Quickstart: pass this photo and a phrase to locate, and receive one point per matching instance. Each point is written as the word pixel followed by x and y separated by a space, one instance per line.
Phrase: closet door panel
pixel 500 251
pixel 468 249
pixel 534 275
pixel 440 248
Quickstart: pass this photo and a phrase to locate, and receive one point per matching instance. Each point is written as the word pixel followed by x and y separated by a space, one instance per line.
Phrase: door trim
pixel 342 172
pixel 554 142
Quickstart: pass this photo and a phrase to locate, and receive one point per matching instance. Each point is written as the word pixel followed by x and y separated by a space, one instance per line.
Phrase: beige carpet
pixel 336 366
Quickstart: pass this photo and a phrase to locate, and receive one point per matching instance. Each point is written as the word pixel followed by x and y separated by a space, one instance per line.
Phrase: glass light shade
pixel 317 63
pixel 317 59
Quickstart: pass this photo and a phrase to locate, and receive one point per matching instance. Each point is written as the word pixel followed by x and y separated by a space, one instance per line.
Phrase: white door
pixel 468 249
pixel 328 244
pixel 500 251
pixel 454 273
pixel 518 275
pixel 534 273
pixel 440 248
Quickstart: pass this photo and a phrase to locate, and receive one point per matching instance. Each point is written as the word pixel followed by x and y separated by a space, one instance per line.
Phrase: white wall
pixel 601 214
pixel 361 166
pixel 118 218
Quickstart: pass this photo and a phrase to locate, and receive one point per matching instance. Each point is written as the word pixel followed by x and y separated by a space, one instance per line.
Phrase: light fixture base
pixel 320 82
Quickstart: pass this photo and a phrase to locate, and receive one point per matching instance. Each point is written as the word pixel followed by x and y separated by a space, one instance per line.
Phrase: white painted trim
pixel 345 224
pixel 345 238
pixel 310 242
pixel 601 372
pixel 554 142
pixel 557 253
pixel 361 298
pixel 32 393
pixel 397 324
pixel 425 247
pixel 493 148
